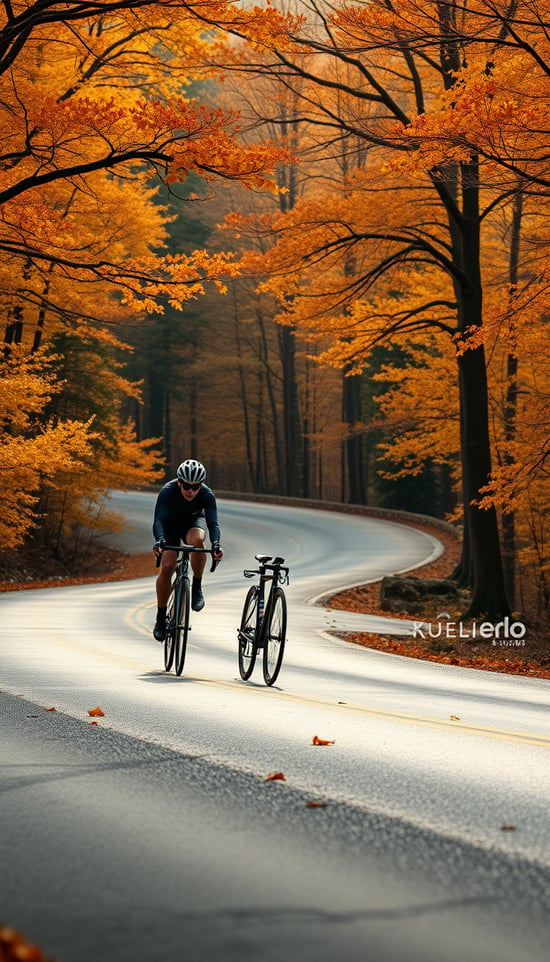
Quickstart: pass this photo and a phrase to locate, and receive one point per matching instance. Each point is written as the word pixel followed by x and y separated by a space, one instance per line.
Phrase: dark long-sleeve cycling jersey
pixel 174 515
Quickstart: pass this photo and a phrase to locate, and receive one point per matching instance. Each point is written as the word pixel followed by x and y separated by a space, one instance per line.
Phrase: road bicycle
pixel 179 606
pixel 263 622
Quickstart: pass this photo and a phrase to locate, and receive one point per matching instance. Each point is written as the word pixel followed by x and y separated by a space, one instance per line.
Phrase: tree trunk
pixel 488 591
pixel 487 582
pixel 354 442
pixel 291 415
pixel 510 407
pixel 269 378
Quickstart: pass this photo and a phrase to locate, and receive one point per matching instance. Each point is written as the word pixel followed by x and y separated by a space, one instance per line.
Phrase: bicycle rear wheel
pixel 247 647
pixel 181 626
pixel 275 636
pixel 170 638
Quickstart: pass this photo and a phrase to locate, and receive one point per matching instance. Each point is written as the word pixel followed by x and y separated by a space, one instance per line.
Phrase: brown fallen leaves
pixel 321 741
pixel 275 777
pixel 15 948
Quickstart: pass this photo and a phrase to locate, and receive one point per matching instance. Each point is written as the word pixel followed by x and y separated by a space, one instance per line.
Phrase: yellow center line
pixel 402 717
pixel 423 721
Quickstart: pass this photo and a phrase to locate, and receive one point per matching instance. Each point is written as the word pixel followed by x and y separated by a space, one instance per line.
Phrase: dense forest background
pixel 306 243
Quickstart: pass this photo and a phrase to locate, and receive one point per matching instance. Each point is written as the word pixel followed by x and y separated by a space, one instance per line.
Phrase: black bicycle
pixel 179 606
pixel 263 622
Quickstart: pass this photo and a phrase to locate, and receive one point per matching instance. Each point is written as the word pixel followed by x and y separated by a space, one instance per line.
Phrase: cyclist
pixel 185 508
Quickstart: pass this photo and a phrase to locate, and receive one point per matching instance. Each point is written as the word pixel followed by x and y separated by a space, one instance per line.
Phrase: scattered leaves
pixel 321 741
pixel 316 804
pixel 97 711
pixel 50 709
pixel 275 777
pixel 15 948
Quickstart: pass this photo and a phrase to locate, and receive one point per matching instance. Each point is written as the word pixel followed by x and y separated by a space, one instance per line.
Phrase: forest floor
pixel 452 645
pixel 528 656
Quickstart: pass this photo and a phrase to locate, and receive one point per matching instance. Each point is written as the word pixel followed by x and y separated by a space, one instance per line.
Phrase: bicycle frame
pixel 278 575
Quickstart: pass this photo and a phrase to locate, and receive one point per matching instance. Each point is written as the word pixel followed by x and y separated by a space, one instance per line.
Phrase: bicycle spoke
pixel 247 648
pixel 275 636
pixel 182 624
pixel 169 641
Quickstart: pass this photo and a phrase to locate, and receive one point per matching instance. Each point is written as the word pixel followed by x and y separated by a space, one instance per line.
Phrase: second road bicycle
pixel 263 622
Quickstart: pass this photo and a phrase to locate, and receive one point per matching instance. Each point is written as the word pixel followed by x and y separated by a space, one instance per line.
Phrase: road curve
pixel 421 835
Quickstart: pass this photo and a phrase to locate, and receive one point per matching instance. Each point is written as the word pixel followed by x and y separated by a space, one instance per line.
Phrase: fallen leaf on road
pixel 507 828
pixel 32 716
pixel 94 723
pixel 275 777
pixel 316 804
pixel 50 709
pixel 321 741
pixel 455 717
pixel 96 711
pixel 13 946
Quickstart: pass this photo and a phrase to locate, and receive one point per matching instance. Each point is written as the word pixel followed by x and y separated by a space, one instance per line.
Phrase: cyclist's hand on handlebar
pixel 217 553
pixel 157 549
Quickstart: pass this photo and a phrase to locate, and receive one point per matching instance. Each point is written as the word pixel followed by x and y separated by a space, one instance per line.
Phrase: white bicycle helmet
pixel 191 471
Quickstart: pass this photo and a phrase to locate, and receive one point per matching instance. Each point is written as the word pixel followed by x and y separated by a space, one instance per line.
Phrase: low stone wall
pixel 385 514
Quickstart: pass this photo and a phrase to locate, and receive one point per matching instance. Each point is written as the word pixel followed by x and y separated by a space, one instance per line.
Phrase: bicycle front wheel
pixel 247 634
pixel 275 636
pixel 181 627
pixel 170 637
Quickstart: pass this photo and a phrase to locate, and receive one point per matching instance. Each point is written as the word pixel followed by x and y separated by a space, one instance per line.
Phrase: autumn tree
pixel 95 107
pixel 426 89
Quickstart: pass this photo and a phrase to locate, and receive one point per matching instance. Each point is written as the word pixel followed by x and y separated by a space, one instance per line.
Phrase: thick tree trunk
pixel 488 590
pixel 487 577
pixel 510 406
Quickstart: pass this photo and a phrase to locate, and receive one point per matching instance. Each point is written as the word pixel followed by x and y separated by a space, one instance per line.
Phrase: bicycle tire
pixel 247 647
pixel 274 636
pixel 181 627
pixel 169 640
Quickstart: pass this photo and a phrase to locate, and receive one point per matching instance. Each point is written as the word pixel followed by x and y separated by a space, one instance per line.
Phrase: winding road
pixel 154 834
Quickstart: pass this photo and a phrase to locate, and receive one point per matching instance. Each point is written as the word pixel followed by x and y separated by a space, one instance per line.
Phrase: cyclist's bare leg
pixel 164 581
pixel 195 536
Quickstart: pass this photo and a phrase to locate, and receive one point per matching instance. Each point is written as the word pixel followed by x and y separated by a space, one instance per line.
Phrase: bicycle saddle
pixel 262 558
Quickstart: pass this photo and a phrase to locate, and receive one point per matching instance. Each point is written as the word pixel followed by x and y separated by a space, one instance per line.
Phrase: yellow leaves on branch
pixel 89 112
pixel 63 459
pixel 499 114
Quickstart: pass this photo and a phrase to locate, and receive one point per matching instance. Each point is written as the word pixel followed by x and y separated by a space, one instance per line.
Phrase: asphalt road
pixel 154 834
